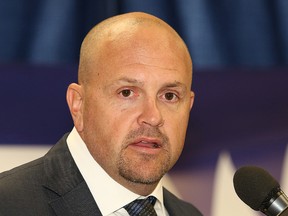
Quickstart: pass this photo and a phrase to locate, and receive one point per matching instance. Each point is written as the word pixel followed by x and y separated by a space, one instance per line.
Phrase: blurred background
pixel 240 56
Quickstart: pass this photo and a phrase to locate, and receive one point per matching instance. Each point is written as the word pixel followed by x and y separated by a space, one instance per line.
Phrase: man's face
pixel 136 106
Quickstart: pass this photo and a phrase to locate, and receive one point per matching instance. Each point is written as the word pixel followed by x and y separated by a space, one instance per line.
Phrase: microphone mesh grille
pixel 254 186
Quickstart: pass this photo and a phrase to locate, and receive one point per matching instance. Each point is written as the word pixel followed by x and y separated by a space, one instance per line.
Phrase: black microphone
pixel 259 190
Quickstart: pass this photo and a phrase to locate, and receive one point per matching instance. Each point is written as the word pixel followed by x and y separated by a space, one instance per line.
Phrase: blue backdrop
pixel 218 33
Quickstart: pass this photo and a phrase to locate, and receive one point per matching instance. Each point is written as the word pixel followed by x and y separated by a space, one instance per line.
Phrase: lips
pixel 147 143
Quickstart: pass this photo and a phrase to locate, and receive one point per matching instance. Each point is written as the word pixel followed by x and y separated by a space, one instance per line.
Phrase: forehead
pixel 143 48
pixel 147 76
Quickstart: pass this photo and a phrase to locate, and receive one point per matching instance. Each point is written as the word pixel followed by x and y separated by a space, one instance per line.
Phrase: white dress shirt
pixel 109 195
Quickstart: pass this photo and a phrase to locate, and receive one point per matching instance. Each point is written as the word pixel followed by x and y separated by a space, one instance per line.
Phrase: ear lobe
pixel 74 99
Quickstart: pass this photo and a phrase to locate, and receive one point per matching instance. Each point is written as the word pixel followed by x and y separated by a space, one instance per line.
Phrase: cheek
pixel 101 140
pixel 176 130
pixel 108 125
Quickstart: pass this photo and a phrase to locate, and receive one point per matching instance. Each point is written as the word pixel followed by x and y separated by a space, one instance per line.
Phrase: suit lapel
pixel 79 201
pixel 65 187
pixel 177 207
pixel 171 203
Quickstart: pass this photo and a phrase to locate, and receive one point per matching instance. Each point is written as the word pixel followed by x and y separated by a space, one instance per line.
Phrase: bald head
pixel 134 90
pixel 120 29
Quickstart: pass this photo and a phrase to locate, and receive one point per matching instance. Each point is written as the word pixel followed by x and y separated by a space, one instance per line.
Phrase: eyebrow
pixel 130 80
pixel 125 80
pixel 175 84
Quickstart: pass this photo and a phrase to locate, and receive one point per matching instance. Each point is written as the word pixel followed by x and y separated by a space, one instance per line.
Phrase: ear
pixel 74 99
pixel 192 96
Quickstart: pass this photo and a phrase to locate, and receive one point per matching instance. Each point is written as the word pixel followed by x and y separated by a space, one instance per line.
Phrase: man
pixel 130 111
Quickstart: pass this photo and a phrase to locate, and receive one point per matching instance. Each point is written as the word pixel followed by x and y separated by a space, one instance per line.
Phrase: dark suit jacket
pixel 53 185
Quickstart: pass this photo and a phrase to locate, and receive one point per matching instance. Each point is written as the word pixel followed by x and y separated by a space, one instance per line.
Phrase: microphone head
pixel 255 186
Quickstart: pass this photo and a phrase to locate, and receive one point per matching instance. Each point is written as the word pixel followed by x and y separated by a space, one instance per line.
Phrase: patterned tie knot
pixel 142 207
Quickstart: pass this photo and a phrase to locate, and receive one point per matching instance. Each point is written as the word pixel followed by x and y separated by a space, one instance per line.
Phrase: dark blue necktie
pixel 142 207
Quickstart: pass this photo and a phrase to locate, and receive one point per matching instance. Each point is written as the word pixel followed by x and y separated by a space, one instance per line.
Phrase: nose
pixel 150 114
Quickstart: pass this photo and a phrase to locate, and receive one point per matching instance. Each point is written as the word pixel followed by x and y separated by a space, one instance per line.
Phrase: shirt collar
pixel 97 180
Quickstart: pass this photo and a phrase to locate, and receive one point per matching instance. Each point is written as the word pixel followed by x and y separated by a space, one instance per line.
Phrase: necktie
pixel 142 207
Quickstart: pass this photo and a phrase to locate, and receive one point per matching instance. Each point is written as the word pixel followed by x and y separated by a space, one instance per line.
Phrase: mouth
pixel 146 143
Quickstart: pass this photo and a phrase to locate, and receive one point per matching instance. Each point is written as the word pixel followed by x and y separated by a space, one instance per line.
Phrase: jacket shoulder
pixel 22 187
pixel 25 186
pixel 21 173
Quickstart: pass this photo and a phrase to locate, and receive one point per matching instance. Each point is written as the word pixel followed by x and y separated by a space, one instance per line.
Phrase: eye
pixel 126 93
pixel 171 97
